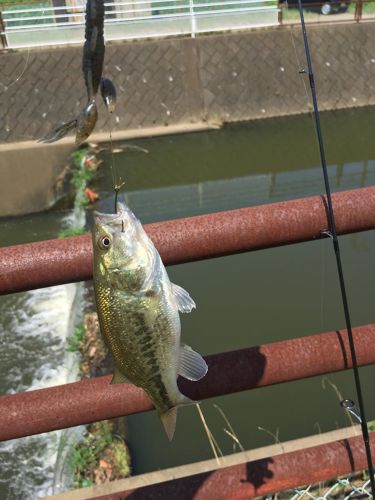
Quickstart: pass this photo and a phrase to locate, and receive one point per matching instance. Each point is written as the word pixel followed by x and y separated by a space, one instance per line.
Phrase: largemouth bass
pixel 138 309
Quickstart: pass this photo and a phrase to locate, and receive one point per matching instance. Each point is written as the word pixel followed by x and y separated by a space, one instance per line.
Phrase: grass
pixel 99 457
pixel 81 176
pixel 13 3
pixel 291 13
pixel 74 231
pixel 76 340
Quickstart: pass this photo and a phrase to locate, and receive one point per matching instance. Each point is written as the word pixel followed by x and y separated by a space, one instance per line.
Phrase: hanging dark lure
pixel 349 405
pixel 92 68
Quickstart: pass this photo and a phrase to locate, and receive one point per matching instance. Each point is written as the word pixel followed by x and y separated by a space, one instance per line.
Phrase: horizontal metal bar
pixel 36 18
pixel 38 27
pixel 259 477
pixel 235 2
pixel 45 9
pixel 96 399
pixel 245 10
pixel 81 7
pixel 46 263
pixel 186 15
pixel 159 9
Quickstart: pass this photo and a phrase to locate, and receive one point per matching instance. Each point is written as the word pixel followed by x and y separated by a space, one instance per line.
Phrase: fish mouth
pixel 105 218
pixel 112 217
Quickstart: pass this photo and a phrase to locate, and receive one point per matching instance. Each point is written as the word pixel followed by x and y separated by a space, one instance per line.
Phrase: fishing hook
pixel 117 189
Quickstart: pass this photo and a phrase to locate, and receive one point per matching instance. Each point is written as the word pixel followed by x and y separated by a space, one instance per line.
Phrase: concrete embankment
pixel 180 82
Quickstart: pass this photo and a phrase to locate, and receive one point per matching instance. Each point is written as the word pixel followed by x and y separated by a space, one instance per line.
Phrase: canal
pixel 243 300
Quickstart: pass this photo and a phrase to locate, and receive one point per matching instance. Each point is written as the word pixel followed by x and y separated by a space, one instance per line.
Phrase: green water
pixel 253 298
pixel 259 297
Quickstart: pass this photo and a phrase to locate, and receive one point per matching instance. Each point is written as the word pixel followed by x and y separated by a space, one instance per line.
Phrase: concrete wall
pixel 219 78
pixel 29 175
pixel 171 84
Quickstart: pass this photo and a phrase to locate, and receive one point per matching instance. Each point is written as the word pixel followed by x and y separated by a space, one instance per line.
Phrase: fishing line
pixel 336 246
pixel 301 72
pixel 112 165
pixel 6 87
pixel 322 285
pixel 119 185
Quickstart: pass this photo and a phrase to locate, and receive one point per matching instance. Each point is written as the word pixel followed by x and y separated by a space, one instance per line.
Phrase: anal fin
pixel 119 378
pixel 168 419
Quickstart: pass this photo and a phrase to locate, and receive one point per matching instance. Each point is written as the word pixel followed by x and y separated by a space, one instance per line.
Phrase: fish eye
pixel 105 242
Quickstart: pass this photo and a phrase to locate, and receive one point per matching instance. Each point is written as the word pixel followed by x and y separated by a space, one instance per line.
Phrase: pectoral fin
pixel 119 378
pixel 184 302
pixel 192 365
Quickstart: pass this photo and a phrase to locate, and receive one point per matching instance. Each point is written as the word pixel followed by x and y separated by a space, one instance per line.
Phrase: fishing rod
pixel 332 233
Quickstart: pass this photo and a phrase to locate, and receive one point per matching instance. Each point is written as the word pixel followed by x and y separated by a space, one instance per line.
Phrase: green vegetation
pixel 24 17
pixel 76 340
pixel 368 8
pixel 74 231
pixel 80 177
pixel 291 14
pixel 14 3
pixel 99 457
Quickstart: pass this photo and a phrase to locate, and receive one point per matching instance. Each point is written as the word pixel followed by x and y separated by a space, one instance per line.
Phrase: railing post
pixel 358 10
pixel 192 19
pixel 280 7
pixel 3 37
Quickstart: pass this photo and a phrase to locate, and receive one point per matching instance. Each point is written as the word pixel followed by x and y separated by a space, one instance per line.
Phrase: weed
pixel 75 341
pixel 121 459
pixel 74 231
pixel 99 457
pixel 80 177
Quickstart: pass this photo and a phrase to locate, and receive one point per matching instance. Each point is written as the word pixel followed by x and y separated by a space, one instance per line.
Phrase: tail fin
pixel 168 419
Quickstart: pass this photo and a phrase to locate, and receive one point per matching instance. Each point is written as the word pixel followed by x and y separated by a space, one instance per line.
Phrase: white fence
pixel 42 24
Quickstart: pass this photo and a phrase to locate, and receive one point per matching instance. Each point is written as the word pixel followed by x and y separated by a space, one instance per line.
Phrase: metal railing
pixel 53 262
pixel 42 24
pixel 28 26
pixel 41 264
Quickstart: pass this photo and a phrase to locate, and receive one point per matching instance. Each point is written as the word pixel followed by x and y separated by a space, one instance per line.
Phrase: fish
pixel 138 310
pixel 92 68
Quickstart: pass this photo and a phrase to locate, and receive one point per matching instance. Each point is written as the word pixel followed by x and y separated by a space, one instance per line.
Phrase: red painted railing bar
pixel 261 477
pixel 46 263
pixel 95 399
